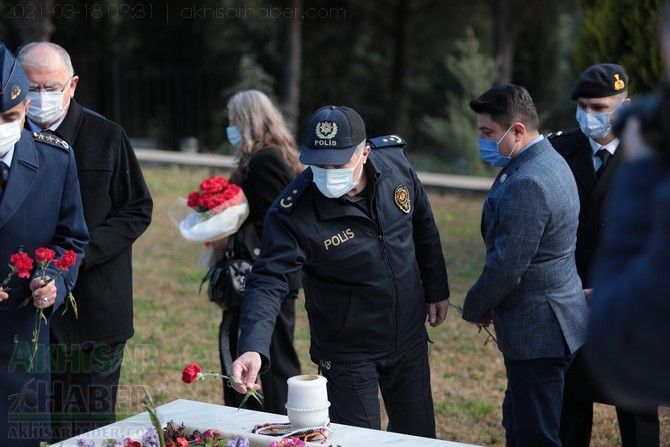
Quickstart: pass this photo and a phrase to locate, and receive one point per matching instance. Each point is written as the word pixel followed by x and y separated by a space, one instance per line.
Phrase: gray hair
pixel 27 59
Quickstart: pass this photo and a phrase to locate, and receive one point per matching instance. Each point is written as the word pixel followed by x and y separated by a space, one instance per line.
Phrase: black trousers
pixel 638 427
pixel 284 362
pixel 404 381
pixel 84 381
pixel 532 404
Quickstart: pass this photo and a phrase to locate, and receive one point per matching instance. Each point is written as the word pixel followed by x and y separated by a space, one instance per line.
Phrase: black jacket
pixel 366 281
pixel 117 209
pixel 266 178
pixel 574 146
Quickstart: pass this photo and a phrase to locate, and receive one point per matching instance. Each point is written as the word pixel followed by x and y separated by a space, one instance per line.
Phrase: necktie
pixel 3 175
pixel 604 156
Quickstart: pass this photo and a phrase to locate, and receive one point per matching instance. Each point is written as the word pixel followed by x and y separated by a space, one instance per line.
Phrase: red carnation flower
pixel 68 259
pixel 45 255
pixel 191 373
pixel 23 264
pixel 193 199
pixel 213 184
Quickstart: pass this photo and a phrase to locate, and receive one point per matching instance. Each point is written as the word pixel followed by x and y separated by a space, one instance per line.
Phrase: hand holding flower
pixel 193 373
pixel 485 325
pixel 244 371
pixel 44 292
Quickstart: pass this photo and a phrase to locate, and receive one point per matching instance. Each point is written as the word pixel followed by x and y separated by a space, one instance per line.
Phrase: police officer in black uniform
pixel 358 224
pixel 593 154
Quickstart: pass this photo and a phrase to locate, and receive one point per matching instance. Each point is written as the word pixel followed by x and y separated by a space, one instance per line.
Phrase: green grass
pixel 175 326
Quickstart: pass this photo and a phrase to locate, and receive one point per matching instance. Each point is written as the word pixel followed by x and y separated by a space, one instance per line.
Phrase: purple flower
pixel 242 441
pixel 150 438
pixel 82 443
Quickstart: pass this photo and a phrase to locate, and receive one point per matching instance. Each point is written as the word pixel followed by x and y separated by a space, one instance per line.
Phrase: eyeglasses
pixel 50 87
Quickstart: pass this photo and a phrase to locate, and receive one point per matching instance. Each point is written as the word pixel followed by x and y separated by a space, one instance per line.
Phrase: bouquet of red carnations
pixel 215 210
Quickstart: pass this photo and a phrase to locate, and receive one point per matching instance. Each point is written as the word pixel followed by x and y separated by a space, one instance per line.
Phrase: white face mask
pixel 10 133
pixel 334 183
pixel 46 107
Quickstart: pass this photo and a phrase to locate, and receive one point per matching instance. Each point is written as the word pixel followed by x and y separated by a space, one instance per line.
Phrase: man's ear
pixel 73 85
pixel 519 129
pixel 366 153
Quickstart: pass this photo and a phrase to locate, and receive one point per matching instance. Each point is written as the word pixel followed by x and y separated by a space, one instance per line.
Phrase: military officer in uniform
pixel 358 224
pixel 40 206
pixel 592 152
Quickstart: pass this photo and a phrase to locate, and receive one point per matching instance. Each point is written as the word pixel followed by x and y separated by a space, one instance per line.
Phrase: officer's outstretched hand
pixel 437 312
pixel 244 372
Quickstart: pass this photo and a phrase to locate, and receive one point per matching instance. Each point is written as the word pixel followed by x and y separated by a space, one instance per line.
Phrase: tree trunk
pixel 509 18
pixel 397 111
pixel 290 91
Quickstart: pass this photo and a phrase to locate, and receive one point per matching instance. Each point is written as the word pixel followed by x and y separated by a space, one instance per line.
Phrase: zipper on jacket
pixel 389 269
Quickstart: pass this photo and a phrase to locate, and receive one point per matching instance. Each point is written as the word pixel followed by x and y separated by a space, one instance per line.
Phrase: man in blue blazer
pixel 529 287
pixel 40 206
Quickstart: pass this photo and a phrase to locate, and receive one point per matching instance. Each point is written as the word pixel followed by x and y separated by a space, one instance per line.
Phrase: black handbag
pixel 227 278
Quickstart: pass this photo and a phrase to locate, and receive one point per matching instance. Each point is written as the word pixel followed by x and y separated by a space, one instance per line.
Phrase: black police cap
pixel 333 133
pixel 601 81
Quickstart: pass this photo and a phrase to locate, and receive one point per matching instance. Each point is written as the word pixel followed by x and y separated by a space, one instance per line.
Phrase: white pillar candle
pixel 308 403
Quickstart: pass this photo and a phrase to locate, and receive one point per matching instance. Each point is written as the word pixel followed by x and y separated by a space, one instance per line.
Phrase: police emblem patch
pixel 401 198
pixel 326 129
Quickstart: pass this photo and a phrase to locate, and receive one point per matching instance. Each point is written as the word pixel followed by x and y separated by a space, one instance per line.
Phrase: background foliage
pixel 165 70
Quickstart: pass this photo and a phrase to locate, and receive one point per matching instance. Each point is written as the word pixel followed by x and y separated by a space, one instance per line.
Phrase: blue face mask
pixel 234 135
pixel 336 182
pixel 595 125
pixel 489 150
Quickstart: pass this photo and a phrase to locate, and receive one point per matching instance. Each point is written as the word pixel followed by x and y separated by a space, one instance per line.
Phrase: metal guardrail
pixel 428 179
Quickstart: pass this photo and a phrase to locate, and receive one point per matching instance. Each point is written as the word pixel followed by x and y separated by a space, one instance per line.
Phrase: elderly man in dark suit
pixel 88 351
pixel 529 286
pixel 592 152
pixel 40 207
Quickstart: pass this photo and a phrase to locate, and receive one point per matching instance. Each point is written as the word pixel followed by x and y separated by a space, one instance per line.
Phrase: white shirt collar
pixel 7 158
pixel 611 146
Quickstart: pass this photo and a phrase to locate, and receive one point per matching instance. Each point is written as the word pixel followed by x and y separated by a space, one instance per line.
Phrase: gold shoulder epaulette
pixel 563 133
pixel 292 194
pixel 387 141
pixel 51 139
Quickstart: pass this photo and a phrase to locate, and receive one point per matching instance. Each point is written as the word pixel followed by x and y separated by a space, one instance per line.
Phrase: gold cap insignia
pixel 16 91
pixel 326 129
pixel 401 198
pixel 619 84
